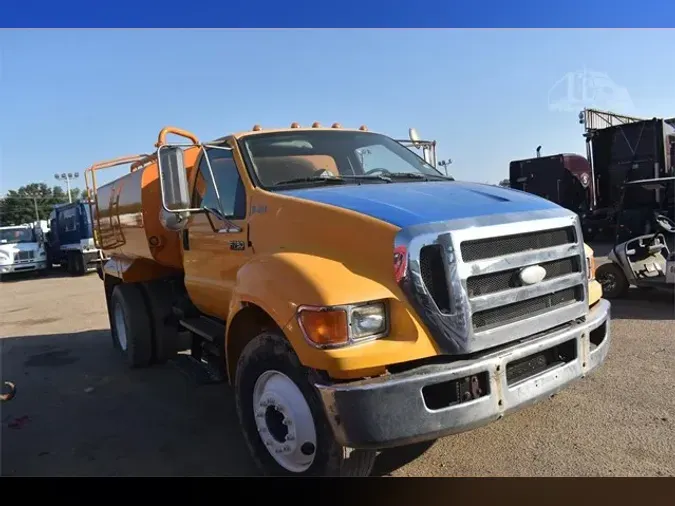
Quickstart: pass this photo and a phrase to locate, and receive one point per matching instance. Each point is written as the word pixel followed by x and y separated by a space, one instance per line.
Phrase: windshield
pixel 16 235
pixel 311 157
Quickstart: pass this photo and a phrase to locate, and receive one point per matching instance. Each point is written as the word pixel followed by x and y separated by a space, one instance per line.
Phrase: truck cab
pixel 355 297
pixel 71 241
pixel 22 249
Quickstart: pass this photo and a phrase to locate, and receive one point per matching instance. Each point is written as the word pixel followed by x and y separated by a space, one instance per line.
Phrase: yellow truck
pixel 355 297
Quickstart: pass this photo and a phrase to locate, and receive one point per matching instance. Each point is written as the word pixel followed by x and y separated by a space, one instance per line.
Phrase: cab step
pixel 207 328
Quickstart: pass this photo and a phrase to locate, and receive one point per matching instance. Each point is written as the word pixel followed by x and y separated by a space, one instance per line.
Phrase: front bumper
pixel 91 257
pixel 394 410
pixel 23 267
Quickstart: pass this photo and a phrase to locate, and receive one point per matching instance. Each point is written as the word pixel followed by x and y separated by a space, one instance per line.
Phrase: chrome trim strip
pixel 490 265
pixel 523 293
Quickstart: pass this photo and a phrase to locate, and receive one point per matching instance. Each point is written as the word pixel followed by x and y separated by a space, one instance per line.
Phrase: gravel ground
pixel 79 412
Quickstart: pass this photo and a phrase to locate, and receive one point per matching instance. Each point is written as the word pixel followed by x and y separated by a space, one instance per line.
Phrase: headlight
pixel 336 326
pixel 590 266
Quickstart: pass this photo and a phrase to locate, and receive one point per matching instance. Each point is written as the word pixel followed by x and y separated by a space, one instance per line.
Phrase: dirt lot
pixel 79 412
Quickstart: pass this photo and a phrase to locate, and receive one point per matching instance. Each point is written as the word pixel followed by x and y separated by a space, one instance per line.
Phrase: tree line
pixel 33 201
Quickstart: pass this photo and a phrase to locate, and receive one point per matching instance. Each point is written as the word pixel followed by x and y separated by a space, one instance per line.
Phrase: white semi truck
pixel 22 249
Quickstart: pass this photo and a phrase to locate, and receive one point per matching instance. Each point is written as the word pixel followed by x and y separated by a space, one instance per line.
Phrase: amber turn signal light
pixel 325 327
pixel 591 267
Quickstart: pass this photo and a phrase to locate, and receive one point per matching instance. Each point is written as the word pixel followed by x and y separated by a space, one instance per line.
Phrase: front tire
pixel 282 418
pixel 130 325
pixel 613 281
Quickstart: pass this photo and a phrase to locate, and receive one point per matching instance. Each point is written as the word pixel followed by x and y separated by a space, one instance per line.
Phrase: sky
pixel 69 98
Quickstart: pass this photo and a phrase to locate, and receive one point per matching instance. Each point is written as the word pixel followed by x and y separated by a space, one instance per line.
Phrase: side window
pixel 69 220
pixel 230 187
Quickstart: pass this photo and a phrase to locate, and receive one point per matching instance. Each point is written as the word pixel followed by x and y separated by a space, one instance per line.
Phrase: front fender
pixel 279 283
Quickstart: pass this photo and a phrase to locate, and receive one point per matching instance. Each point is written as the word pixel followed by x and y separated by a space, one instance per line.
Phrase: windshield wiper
pixel 312 179
pixel 371 177
pixel 341 179
pixel 419 175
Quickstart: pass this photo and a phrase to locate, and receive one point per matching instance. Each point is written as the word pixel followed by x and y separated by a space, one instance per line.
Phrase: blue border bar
pixel 338 14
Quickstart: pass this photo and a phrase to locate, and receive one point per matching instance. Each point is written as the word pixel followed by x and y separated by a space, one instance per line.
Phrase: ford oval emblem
pixel 532 275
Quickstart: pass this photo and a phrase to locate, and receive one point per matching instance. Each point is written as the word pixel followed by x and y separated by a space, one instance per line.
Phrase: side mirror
pixel 173 178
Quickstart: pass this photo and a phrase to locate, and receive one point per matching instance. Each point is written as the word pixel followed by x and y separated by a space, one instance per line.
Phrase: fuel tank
pixel 126 217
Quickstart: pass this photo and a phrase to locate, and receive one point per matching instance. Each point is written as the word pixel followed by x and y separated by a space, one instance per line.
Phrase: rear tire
pixel 613 281
pixel 279 409
pixel 130 325
pixel 165 337
pixel 79 268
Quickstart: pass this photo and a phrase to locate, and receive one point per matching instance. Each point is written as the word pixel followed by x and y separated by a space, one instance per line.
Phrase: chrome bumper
pixel 23 267
pixel 393 410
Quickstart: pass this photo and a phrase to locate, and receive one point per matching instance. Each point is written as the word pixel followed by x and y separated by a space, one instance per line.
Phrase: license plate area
pixel 527 367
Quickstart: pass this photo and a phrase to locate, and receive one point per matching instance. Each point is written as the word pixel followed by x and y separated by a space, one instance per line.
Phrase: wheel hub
pixel 608 281
pixel 284 421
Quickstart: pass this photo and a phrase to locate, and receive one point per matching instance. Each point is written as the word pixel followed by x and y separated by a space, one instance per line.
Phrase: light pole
pixel 34 197
pixel 67 176
pixel 445 164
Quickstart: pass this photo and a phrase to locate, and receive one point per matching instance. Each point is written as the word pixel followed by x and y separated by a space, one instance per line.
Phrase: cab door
pixel 212 255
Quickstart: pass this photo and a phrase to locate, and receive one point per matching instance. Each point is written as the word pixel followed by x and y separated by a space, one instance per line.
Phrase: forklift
pixel 643 254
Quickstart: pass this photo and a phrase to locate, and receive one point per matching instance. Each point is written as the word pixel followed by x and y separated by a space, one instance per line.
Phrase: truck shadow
pixel 78 411
pixel 392 459
pixel 641 304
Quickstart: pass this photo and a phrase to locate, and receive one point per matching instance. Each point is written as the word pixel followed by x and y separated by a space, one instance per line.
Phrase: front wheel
pixel 282 418
pixel 613 281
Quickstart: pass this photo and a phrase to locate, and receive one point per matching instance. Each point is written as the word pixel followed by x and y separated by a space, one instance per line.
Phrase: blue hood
pixel 409 204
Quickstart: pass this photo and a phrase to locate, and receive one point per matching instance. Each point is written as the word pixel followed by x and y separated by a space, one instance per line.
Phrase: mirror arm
pixel 230 228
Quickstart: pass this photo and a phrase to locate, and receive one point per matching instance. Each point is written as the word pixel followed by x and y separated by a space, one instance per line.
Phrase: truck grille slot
pixel 494 247
pixel 24 256
pixel 434 276
pixel 529 308
pixel 505 280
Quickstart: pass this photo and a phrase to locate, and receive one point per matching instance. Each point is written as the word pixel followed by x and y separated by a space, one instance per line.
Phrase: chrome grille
pixel 24 256
pixel 503 315
pixel 463 277
pixel 499 246
pixel 504 280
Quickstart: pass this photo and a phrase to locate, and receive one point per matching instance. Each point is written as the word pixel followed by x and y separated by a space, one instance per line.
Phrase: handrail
pixel 161 138
pixel 91 186
pixel 136 161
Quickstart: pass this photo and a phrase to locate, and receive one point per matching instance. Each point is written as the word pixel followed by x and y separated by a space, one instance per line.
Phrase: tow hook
pixel 469 389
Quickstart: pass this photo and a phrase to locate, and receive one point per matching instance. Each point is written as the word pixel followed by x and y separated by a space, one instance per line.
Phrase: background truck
pixel 563 178
pixel 22 249
pixel 70 239
pixel 619 149
pixel 354 297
